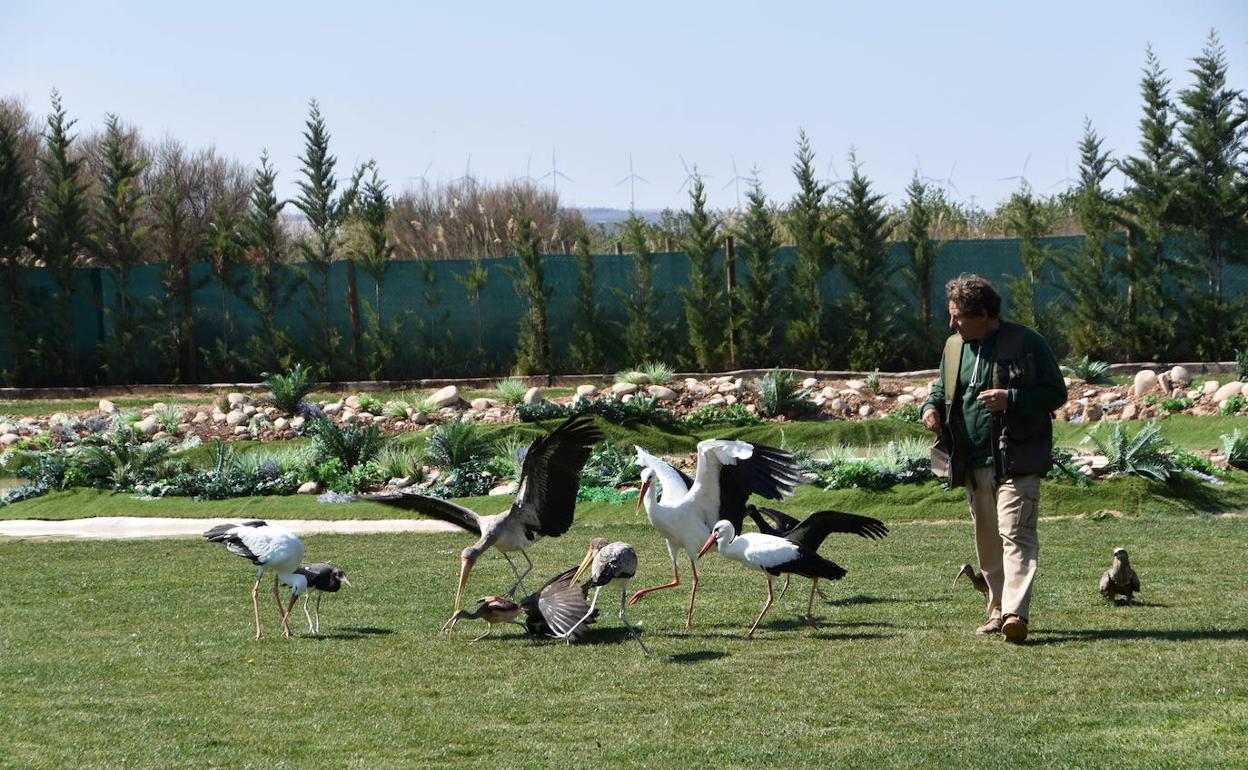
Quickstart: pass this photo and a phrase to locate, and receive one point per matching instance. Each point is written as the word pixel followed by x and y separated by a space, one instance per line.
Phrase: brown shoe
pixel 1014 629
pixel 993 626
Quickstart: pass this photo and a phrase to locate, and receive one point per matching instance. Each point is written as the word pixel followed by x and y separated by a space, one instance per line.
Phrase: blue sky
pixel 979 85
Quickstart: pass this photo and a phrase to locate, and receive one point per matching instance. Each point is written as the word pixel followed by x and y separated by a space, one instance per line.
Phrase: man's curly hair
pixel 974 295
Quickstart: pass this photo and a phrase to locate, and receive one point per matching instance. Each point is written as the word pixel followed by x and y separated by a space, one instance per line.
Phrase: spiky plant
pixel 511 391
pixel 397 461
pixel 508 458
pixel 873 382
pixel 658 372
pixel 632 376
pixel 1145 454
pixel 396 409
pixel 168 417
pixel 121 461
pixel 1241 365
pixel 350 445
pixel 780 391
pixel 287 391
pixel 455 443
pixel 1235 449
pixel 1091 372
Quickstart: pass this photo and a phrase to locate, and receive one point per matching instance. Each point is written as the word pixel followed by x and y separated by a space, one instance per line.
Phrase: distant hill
pixel 605 216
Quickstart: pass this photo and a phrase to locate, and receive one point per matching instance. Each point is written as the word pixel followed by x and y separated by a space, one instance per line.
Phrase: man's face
pixel 970 327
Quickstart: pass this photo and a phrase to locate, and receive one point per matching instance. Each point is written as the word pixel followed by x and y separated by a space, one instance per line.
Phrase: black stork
pixel 323 578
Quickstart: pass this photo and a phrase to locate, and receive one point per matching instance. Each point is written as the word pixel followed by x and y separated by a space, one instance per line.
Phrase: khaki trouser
pixel 1005 538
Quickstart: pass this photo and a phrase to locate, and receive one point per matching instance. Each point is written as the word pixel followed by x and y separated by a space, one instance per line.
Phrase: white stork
pixel 793 554
pixel 544 504
pixel 270 548
pixel 728 473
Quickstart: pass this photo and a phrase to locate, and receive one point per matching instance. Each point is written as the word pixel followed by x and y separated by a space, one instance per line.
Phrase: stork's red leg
pixel 766 607
pixel 675 582
pixel 286 615
pixel 693 594
pixel 255 605
pixel 810 606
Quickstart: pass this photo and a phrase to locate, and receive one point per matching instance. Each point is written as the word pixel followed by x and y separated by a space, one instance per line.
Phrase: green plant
pixel 287 391
pixel 907 413
pixel 735 415
pixel 508 458
pixel 1234 405
pixel 469 479
pixel 861 474
pixel 1091 372
pixel 1172 405
pixel 658 372
pixel 610 465
pixel 779 392
pixel 873 382
pixel 168 417
pixel 1151 399
pixel 1241 365
pixel 1186 460
pixel 632 376
pixel 456 443
pixel 121 462
pixel 350 445
pixel 1145 454
pixel 396 409
pixel 397 461
pixel 909 459
pixel 511 391
pixel 1235 449
pixel 371 404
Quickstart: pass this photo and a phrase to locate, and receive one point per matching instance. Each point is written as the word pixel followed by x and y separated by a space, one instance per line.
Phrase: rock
pixel 856 385
pixel 809 382
pixel 349 417
pixel 661 392
pixel 1088 471
pixel 1178 393
pixel 729 387
pixel 481 404
pixel 1108 397
pixel 1226 391
pixel 241 430
pixel 1163 382
pixel 445 397
pixel 9 439
pixel 624 399
pixel 158 435
pixel 235 400
pixel 420 418
pixel 1194 394
pixel 1180 376
pixel 220 416
pixel 838 404
pixel 1092 412
pixel 1088 394
pixel 148 426
pixel 107 407
pixel 715 401
pixel 7 427
pixel 1210 387
pixel 624 388
pixel 696 388
pixel 235 418
pixel 401 483
pixel 281 423
pixel 819 401
pixel 906 398
pixel 309 488
pixel 730 400
pixel 249 410
pixel 508 488
pixel 332 409
pixel 352 402
pixel 921 393
pixel 586 391
pixel 296 423
pixel 271 412
pixel 1145 382
pixel 1130 412
pixel 828 392
pixel 534 396
pixel 865 410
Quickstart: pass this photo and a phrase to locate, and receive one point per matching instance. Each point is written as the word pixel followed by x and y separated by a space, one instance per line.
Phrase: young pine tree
pixel 759 315
pixel 372 248
pixel 923 253
pixel 265 247
pixel 807 222
pixel 1025 219
pixel 588 351
pixel 15 231
pixel 860 234
pixel 644 334
pixel 533 338
pixel 705 312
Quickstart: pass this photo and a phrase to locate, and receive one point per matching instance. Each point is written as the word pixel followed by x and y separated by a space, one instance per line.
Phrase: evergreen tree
pixel 225 249
pixel 473 280
pixel 1025 219
pixel 922 252
pixel 588 343
pixel 1091 320
pixel 860 234
pixel 373 249
pixel 15 232
pixel 1147 210
pixel 265 248
pixel 533 338
pixel 705 312
pixel 759 313
pixel 806 220
pixel 62 236
pixel 179 242
pixel 118 241
pixel 644 335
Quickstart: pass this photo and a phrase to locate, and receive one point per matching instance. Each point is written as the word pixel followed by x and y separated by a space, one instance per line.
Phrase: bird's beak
pixel 589 559
pixel 346 582
pixel 710 541
pixel 645 487
pixel 464 568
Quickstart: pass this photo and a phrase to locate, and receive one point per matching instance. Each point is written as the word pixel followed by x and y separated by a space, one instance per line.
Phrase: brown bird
pixel 558 609
pixel 493 610
pixel 1120 578
pixel 975 577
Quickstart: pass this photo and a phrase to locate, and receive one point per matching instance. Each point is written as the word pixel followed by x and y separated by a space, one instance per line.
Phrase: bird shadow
pixel 789 624
pixel 1137 603
pixel 702 656
pixel 353 633
pixel 1063 636
pixel 598 636
pixel 857 599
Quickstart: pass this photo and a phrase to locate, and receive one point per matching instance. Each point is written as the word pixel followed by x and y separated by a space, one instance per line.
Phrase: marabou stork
pixel 1120 578
pixel 544 504
pixel 728 473
pixel 323 578
pixel 795 553
pixel 610 564
pixel 270 548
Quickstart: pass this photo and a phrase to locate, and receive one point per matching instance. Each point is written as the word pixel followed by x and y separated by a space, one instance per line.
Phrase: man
pixel 992 409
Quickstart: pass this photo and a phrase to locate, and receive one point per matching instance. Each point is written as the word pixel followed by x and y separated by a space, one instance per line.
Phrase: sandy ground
pixel 140 528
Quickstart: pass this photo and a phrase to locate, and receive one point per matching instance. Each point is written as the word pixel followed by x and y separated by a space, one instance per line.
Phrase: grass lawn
pixel 139 654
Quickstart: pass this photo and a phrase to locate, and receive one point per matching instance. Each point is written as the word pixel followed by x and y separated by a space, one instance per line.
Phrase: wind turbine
pixel 689 175
pixel 554 174
pixel 736 181
pixel 945 181
pixel 1022 175
pixel 467 177
pixel 423 176
pixel 528 171
pixel 632 179
pixel 1066 180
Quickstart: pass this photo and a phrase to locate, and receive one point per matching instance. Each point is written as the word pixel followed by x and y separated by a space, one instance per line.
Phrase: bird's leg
pixel 766 607
pixel 318 613
pixel 255 605
pixel 306 597
pixel 624 619
pixel 810 606
pixel 784 590
pixel 277 597
pixel 286 615
pixel 675 582
pixel 568 636
pixel 488 628
pixel 519 575
pixel 693 594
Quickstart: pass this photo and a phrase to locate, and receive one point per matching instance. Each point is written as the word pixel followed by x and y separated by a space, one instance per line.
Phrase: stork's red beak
pixel 710 541
pixel 645 487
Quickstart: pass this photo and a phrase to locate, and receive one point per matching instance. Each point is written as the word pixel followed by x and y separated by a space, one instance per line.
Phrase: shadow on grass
pixel 702 656
pixel 1062 636
pixel 352 633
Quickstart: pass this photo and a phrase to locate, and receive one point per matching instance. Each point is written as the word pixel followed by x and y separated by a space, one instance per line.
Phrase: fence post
pixel 619 248
pixel 730 273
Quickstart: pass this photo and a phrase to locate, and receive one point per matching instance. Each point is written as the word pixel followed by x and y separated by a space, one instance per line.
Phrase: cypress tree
pixel 860 234
pixel 373 249
pixel 533 339
pixel 1025 218
pixel 644 335
pixel 759 313
pixel 15 231
pixel 588 343
pixel 922 252
pixel 265 245
pixel 225 250
pixel 806 220
pixel 705 313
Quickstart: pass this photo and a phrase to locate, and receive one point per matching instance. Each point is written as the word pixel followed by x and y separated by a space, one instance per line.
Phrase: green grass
pixel 138 654
pixel 1186 431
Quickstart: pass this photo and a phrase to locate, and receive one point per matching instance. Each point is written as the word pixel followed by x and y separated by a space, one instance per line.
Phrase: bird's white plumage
pixel 674 487
pixel 754 549
pixel 276 550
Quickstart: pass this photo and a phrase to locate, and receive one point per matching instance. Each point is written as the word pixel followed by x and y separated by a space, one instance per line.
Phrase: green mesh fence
pixel 444 333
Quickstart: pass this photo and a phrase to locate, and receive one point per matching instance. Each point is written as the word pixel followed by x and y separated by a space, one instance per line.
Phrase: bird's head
pixel 1120 554
pixel 595 545
pixel 647 478
pixel 723 532
pixel 338 578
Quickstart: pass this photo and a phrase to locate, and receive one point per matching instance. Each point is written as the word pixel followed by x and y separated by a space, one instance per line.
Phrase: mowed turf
pixel 139 654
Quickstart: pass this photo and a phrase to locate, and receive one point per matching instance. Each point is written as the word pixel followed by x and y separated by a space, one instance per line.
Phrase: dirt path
pixel 140 528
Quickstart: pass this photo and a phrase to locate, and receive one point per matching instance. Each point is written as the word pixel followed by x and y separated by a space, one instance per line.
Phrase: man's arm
pixel 1049 392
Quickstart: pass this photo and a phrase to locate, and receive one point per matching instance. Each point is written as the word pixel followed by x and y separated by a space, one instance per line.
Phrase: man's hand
pixel 931 420
pixel 995 400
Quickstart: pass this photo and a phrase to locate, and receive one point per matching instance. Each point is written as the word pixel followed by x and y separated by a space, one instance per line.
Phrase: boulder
pixel 1108 397
pixel 856 385
pixel 1092 412
pixel 1210 387
pixel 715 401
pixel 1226 391
pixel 1163 382
pixel 586 391
pixel 732 386
pixel 332 409
pixel 235 418
pixel 534 396
pixel 248 409
pixel 309 488
pixel 661 392
pixel 865 410
pixel 9 439
pixel 506 488
pixel 220 416
pixel 624 388
pixel 401 483
pixel 906 398
pixel 1088 394
pixel 107 407
pixel 353 402
pixel 1179 376
pixel 420 419
pixel 158 435
pixel 445 397
pixel 1130 412
pixel 481 404
pixel 148 426
pixel 810 382
pixel 349 417
pixel 241 430
pixel 838 404
pixel 730 400
pixel 236 400
pixel 1145 382
pixel 281 423
pixel 296 423
pixel 921 393
pixel 7 427
pixel 696 388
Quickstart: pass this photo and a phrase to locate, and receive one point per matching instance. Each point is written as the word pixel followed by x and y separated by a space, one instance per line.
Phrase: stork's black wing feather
pixel 769 472
pixel 557 607
pixel 818 525
pixel 685 477
pixel 551 476
pixel 224 533
pixel 433 507
pixel 320 576
pixel 770 521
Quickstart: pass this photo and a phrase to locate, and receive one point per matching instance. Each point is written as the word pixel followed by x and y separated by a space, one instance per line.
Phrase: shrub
pixel 1235 449
pixel 168 417
pixel 469 479
pixel 456 443
pixel 780 392
pixel 658 372
pixel 1187 461
pixel 396 409
pixel 287 391
pixel 229 475
pixel 508 458
pixel 397 461
pixel 350 445
pixel 1234 405
pixel 1241 365
pixel 371 404
pixel 1091 372
pixel 1146 454
pixel 909 459
pixel 735 415
pixel 862 474
pixel 511 391
pixel 632 376
pixel 873 382
pixel 610 465
pixel 638 409
pixel 907 413
pixel 121 462
pixel 1172 405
